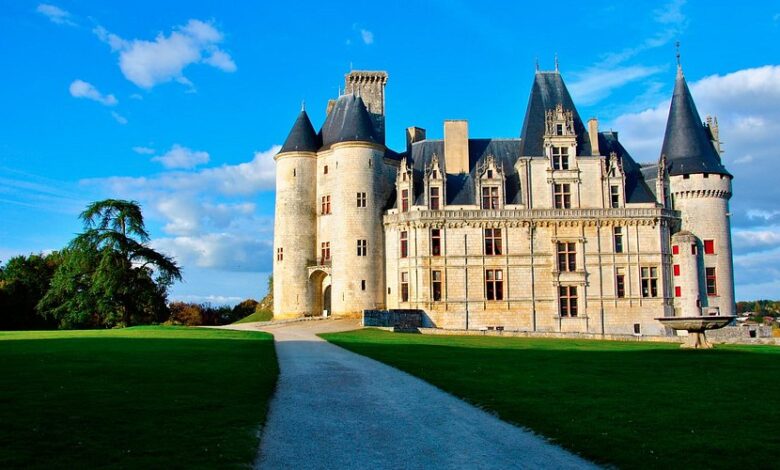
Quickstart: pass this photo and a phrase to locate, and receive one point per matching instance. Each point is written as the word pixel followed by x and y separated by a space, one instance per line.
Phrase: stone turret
pixel 295 219
pixel 700 188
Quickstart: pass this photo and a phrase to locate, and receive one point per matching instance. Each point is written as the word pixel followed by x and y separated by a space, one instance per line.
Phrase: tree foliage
pixel 23 282
pixel 110 276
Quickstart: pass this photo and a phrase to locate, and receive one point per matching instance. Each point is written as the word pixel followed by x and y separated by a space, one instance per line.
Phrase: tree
pixel 24 281
pixel 110 276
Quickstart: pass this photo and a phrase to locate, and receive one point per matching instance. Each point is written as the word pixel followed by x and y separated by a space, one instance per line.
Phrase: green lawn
pixel 146 397
pixel 630 404
pixel 260 315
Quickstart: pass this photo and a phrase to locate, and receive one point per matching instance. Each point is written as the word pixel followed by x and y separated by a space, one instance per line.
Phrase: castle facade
pixel 558 230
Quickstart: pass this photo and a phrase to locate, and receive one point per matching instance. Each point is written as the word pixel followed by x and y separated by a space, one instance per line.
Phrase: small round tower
pixel 355 182
pixel 700 189
pixel 295 219
pixel 685 275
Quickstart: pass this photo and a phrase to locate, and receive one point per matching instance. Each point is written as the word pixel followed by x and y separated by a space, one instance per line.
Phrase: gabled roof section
pixel 348 121
pixel 637 189
pixel 302 137
pixel 548 91
pixel 687 145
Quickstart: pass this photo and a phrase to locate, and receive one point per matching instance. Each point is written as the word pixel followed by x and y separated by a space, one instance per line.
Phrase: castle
pixel 559 230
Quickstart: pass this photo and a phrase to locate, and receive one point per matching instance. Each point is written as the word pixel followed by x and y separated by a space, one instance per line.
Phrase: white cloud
pixel 182 157
pixel 141 150
pixel 596 83
pixel 224 251
pixel 119 118
pixel 82 89
pixel 367 36
pixel 150 63
pixel 55 14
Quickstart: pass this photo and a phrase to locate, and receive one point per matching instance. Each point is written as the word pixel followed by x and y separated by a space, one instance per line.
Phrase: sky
pixel 182 105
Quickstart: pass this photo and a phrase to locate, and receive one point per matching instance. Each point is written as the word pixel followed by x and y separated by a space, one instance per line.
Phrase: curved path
pixel 337 409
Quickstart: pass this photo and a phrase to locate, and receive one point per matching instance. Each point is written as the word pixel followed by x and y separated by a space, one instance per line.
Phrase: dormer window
pixel 435 174
pixel 560 158
pixel 434 198
pixel 559 129
pixel 490 199
pixel 490 174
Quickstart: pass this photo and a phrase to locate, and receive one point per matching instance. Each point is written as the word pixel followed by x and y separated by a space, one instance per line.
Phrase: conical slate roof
pixel 547 92
pixel 687 145
pixel 348 121
pixel 302 137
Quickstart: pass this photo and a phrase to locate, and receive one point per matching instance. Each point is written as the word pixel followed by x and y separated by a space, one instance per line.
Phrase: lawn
pixel 629 404
pixel 146 397
pixel 260 315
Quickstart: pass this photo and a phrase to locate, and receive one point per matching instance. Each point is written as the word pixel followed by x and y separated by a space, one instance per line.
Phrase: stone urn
pixel 696 326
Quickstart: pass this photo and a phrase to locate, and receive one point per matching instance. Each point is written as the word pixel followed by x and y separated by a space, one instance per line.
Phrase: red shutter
pixel 675 250
pixel 709 247
pixel 676 269
pixel 677 291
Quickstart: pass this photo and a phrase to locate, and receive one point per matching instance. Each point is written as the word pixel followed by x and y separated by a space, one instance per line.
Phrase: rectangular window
pixel 361 199
pixel 709 247
pixel 279 254
pixel 677 291
pixel 435 242
pixel 361 247
pixel 562 195
pixel 493 242
pixel 694 251
pixel 325 205
pixel 363 284
pixel 434 199
pixel 649 278
pixel 404 244
pixel 676 269
pixel 617 233
pixel 620 283
pixel 712 289
pixel 560 156
pixel 494 284
pixel 404 286
pixel 614 196
pixel 325 170
pixel 559 129
pixel 324 252
pixel 675 250
pixel 436 285
pixel 490 197
pixel 567 256
pixel 567 298
pixel 405 200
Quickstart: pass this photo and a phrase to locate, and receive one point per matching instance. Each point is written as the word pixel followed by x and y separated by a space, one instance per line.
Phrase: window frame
pixel 325 208
pixel 492 199
pixel 648 278
pixel 437 285
pixel 404 200
pixel 709 247
pixel 436 242
pixel 494 285
pixel 362 247
pixel 324 252
pixel 361 199
pixel 711 281
pixel 404 286
pixel 567 256
pixel 404 244
pixel 614 196
pixel 434 200
pixel 562 195
pixel 560 158
pixel 492 242
pixel 617 239
pixel 568 303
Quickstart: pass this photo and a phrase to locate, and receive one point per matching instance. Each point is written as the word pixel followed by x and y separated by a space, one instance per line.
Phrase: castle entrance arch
pixel 319 286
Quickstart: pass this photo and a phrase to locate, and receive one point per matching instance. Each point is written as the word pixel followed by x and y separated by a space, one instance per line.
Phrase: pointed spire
pixel 537 65
pixel 687 145
pixel 302 137
pixel 679 64
pixel 556 63
pixel 303 105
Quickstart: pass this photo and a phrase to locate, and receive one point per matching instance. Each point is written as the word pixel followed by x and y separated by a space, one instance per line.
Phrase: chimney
pixel 456 146
pixel 413 134
pixel 593 133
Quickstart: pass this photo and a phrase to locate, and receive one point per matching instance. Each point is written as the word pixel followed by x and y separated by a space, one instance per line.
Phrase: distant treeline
pixel 762 308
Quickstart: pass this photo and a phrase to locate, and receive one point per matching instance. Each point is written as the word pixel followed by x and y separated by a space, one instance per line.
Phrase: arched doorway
pixel 319 287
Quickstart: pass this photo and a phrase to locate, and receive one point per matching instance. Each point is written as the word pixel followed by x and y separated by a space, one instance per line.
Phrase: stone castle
pixel 559 230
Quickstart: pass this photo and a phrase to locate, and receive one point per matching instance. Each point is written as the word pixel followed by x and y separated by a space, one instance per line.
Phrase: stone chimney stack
pixel 413 134
pixel 456 146
pixel 593 133
pixel 370 86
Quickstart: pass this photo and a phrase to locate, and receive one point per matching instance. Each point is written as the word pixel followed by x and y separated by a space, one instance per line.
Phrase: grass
pixel 629 404
pixel 145 397
pixel 260 315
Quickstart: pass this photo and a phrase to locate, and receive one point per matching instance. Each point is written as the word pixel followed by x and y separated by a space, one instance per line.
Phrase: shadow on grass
pixel 635 405
pixel 188 398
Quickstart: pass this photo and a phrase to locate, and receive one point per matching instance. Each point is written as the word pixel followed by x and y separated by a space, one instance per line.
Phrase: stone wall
pixel 396 318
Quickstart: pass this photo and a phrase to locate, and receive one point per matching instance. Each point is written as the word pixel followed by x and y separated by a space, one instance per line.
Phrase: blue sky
pixel 180 105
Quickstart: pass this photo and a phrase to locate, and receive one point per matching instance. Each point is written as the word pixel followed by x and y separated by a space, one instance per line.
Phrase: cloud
pixel 82 89
pixel 223 251
pixel 150 63
pixel 143 150
pixel 596 83
pixel 55 14
pixel 182 157
pixel 119 118
pixel 367 36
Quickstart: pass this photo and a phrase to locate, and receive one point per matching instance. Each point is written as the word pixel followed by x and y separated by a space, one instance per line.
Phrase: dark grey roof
pixel 687 143
pixel 650 174
pixel 460 188
pixel 302 137
pixel 548 91
pixel 348 121
pixel 637 189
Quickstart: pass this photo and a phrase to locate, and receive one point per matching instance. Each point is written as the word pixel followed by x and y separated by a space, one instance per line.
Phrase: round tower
pixel 295 220
pixel 685 275
pixel 700 189
pixel 357 189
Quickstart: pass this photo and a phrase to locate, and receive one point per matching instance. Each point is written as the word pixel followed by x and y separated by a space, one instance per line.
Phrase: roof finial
pixel 303 105
pixel 556 62
pixel 537 65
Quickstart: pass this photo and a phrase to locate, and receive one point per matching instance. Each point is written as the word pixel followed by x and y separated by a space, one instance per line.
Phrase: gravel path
pixel 336 409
